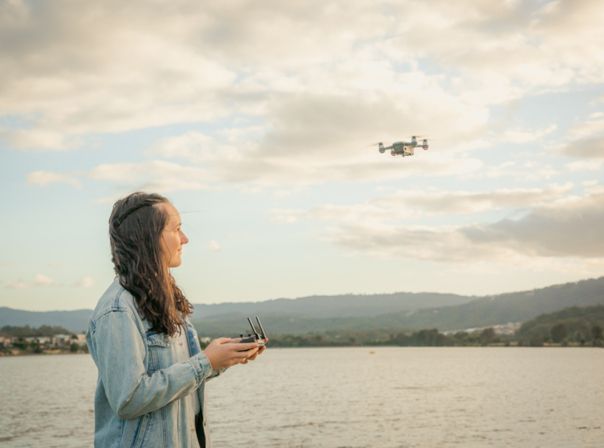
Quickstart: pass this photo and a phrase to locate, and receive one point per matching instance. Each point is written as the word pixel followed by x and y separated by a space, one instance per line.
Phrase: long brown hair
pixel 135 227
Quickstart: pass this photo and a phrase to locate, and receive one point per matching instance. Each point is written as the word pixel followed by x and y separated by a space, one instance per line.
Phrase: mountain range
pixel 368 312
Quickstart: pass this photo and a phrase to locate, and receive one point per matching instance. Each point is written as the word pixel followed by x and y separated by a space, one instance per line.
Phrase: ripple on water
pixel 326 398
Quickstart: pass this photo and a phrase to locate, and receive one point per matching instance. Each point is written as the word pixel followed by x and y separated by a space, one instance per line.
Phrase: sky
pixel 258 120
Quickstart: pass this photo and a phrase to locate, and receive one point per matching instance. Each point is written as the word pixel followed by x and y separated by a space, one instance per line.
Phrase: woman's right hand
pixel 226 352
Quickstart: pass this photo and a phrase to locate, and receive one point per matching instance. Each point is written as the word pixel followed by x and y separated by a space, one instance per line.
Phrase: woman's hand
pixel 258 352
pixel 226 352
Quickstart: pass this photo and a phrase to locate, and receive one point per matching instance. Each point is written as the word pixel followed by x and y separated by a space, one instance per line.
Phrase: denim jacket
pixel 139 385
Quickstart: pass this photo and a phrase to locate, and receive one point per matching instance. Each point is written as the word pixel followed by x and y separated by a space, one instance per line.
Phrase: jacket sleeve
pixel 120 353
pixel 215 373
pixel 196 348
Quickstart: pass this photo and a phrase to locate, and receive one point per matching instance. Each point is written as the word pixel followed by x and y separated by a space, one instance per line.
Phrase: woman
pixel 150 389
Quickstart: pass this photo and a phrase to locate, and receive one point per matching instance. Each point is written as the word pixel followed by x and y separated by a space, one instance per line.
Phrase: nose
pixel 183 238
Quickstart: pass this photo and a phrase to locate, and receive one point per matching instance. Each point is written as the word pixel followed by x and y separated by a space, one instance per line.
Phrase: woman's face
pixel 172 237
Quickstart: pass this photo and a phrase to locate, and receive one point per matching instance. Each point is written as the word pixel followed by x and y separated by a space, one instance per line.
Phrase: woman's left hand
pixel 256 353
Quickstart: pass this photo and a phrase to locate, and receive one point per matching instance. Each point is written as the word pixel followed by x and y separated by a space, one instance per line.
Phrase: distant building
pixel 504 329
pixel 61 340
pixel 81 338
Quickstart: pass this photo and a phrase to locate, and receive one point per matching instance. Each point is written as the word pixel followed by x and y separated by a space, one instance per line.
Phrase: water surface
pixel 345 397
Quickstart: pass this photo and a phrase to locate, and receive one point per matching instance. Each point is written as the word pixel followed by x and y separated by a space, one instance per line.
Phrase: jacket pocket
pixel 140 431
pixel 159 351
pixel 144 432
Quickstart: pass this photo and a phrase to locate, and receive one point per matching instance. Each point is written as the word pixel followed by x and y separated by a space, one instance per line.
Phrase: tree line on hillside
pixel 576 326
pixel 16 340
pixel 27 331
pixel 421 338
pixel 434 338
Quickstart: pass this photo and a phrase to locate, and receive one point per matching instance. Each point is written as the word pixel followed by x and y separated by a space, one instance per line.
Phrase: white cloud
pixel 472 202
pixel 43 280
pixel 39 139
pixel 294 105
pixel 70 82
pixel 554 225
pixel 586 165
pixel 156 175
pixel 513 171
pixel 75 70
pixel 44 178
pixel 17 284
pixel 85 282
pixel 314 139
pixel 403 205
pixel 214 246
pixel 286 216
pixel 421 243
pixel 520 136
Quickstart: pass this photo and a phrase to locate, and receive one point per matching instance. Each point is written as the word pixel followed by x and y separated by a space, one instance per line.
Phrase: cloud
pixel 586 165
pixel 569 229
pixel 506 52
pixel 39 138
pixel 43 280
pixel 334 127
pixel 287 216
pixel 590 148
pixel 445 245
pixel 311 139
pixel 155 175
pixel 518 171
pixel 403 205
pixel 472 202
pixel 73 71
pixel 214 246
pixel 17 284
pixel 522 136
pixel 586 139
pixel 43 178
pixel 554 227
pixel 85 282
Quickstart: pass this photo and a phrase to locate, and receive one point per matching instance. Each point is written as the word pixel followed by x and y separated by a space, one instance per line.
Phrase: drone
pixel 404 148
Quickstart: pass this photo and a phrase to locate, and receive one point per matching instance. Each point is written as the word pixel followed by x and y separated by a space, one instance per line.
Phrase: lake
pixel 345 397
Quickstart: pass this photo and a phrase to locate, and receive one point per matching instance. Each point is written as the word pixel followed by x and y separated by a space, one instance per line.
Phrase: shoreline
pixel 54 353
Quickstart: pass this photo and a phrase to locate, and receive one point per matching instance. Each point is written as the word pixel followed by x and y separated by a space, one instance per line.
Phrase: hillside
pixel 504 308
pixel 479 312
pixel 76 320
pixel 349 305
pixel 576 324
pixel 399 311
